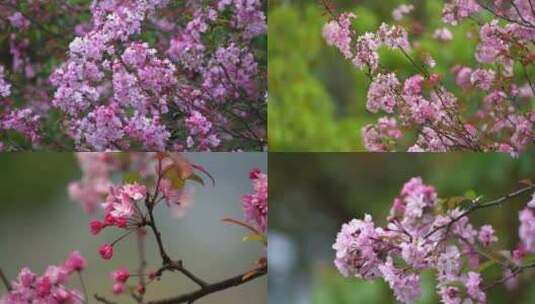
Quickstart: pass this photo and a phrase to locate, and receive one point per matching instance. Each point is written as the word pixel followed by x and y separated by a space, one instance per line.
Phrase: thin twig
pixel 6 282
pixel 516 271
pixel 84 289
pixel 477 206
pixel 103 299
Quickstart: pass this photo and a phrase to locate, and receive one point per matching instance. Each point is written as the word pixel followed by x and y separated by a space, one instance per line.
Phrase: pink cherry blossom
pixel 255 205
pixel 487 235
pixel 526 230
pixel 338 33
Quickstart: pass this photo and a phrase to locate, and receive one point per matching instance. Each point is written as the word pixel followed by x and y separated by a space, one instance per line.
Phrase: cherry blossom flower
pixel 50 287
pixel 443 34
pixel 487 235
pixel 399 12
pixel 255 205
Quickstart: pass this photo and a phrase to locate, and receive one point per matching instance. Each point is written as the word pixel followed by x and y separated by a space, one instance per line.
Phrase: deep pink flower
pixel 121 275
pixel 106 251
pixel 96 226
pixel 75 262
pixel 255 205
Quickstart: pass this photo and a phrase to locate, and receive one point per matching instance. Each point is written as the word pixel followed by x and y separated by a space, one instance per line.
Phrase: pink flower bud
pixel 118 288
pixel 96 227
pixel 106 251
pixel 254 173
pixel 140 289
pixel 75 262
pixel 121 275
pixel 109 219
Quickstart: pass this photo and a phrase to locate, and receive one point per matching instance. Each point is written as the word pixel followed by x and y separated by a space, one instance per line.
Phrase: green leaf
pixel 196 178
pixel 176 180
pixel 131 177
pixel 255 237
pixel 470 195
pixel 486 265
pixel 455 201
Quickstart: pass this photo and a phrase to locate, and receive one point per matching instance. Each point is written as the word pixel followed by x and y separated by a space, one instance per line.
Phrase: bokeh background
pixel 317 99
pixel 39 226
pixel 313 194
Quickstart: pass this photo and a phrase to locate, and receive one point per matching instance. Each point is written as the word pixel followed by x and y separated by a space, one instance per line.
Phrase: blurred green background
pixel 312 195
pixel 39 226
pixel 317 99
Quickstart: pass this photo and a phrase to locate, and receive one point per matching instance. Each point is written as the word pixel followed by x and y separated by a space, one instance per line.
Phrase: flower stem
pixel 86 298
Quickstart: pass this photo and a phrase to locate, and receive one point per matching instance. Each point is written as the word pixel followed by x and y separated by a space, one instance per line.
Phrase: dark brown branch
pixel 477 206
pixel 103 300
pixel 178 266
pixel 515 272
pixel 215 287
pixel 6 282
pixel 152 224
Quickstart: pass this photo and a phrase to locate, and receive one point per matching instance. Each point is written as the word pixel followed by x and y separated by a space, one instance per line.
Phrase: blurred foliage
pixel 31 179
pixel 317 99
pixel 324 190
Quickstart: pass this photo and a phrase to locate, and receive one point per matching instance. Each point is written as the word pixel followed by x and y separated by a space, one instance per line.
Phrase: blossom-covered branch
pixel 426 233
pixel 149 181
pixel 153 75
pixel 423 104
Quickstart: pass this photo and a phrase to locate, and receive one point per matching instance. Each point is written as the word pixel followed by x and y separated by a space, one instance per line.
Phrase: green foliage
pixel 301 112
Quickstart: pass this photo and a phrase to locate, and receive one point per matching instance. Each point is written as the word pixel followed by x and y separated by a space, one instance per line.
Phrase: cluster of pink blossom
pixel 120 210
pixel 417 238
pixel 50 287
pixel 255 205
pixel 403 9
pixel 120 276
pixel 118 92
pixel 91 189
pixel 21 120
pixel 19 21
pixel 382 135
pixel 527 226
pixel 5 87
pixel 364 52
pixel 503 120
pixel 122 203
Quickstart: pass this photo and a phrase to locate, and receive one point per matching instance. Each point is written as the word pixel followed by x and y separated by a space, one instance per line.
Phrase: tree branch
pixel 215 287
pixel 515 272
pixel 477 206
pixel 103 299
pixel 5 280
